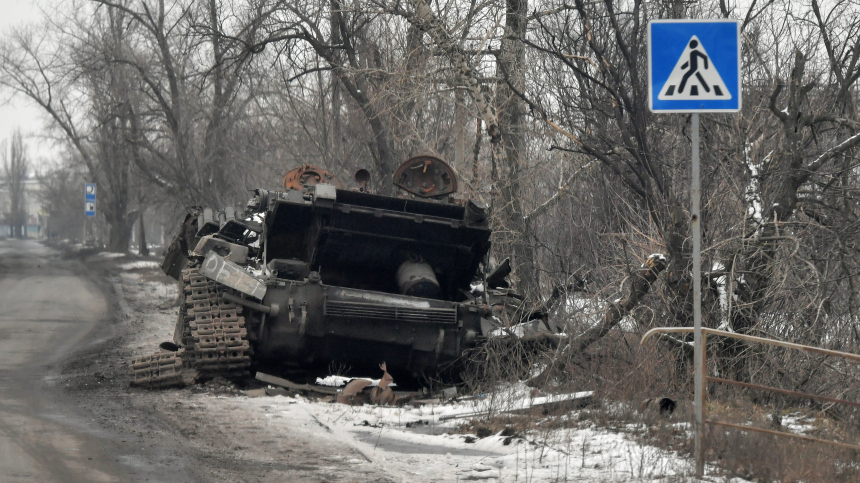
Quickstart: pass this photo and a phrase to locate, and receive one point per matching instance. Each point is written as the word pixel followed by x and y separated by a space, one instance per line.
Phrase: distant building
pixel 33 201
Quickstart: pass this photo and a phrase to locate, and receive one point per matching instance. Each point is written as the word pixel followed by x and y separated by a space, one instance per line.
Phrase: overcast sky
pixel 19 112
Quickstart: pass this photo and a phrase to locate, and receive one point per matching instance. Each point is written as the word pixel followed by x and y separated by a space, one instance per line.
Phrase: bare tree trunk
pixel 143 250
pixel 346 67
pixel 461 119
pixel 215 150
pixel 512 114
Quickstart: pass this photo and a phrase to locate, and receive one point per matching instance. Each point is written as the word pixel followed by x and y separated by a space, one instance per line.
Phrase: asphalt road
pixel 49 309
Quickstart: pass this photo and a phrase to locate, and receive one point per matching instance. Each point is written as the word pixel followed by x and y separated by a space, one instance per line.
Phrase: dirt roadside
pixel 192 434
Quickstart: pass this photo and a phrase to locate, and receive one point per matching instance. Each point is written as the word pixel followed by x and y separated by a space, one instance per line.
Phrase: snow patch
pixel 798 423
pixel 112 254
pixel 519 330
pixel 752 195
pixel 139 265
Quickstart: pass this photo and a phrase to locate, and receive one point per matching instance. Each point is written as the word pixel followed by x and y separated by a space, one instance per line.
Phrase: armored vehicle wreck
pixel 317 277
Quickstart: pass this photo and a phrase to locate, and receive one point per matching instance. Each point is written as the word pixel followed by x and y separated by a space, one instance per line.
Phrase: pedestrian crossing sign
pixel 694 65
pixel 90 199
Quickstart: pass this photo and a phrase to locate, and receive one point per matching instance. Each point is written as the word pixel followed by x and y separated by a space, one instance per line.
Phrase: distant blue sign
pixel 90 199
pixel 694 65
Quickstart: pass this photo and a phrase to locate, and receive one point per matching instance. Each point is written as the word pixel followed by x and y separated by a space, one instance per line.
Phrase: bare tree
pixel 88 104
pixel 15 168
pixel 791 144
pixel 60 196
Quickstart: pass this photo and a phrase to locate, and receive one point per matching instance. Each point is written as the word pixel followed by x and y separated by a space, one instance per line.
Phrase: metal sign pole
pixel 694 66
pixel 696 195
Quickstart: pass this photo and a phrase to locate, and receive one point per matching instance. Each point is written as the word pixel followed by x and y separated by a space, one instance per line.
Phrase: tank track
pixel 212 336
pixel 162 369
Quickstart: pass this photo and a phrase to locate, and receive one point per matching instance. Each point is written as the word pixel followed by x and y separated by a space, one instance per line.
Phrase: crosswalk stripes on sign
pixel 694 77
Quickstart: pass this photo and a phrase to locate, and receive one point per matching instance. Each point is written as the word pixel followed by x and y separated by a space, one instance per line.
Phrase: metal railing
pixel 704 378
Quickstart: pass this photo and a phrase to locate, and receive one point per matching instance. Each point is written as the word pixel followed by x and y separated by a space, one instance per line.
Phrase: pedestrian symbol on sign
pixel 694 77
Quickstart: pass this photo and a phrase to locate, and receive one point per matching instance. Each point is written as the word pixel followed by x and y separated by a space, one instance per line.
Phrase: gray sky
pixel 19 112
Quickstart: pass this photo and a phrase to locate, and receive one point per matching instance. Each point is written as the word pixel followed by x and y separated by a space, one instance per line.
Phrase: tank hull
pixel 320 327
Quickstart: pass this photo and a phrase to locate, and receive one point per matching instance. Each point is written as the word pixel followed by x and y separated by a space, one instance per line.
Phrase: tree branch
pixel 639 284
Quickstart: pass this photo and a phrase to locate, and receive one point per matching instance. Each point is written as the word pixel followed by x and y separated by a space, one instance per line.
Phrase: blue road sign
pixel 90 199
pixel 694 65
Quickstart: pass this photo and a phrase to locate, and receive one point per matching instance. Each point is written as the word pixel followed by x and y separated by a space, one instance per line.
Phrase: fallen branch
pixel 639 284
pixel 277 381
pixel 546 403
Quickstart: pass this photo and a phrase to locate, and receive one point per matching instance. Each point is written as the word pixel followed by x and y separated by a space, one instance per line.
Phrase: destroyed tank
pixel 317 279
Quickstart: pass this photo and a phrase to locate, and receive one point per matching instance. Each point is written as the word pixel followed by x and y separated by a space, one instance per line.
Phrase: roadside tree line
pixel 540 106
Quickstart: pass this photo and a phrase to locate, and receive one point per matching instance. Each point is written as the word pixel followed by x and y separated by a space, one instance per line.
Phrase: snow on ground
pixel 149 308
pixel 417 444
pixel 149 290
pixel 798 423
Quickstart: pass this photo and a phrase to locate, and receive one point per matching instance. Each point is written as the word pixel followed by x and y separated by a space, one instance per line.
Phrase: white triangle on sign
pixel 694 77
